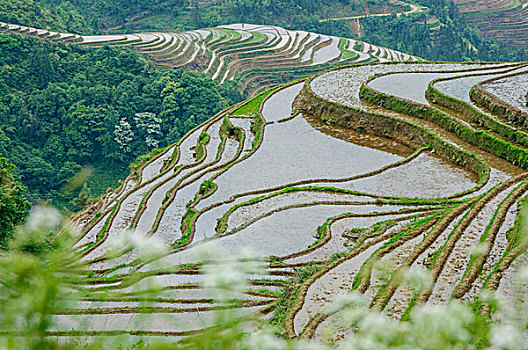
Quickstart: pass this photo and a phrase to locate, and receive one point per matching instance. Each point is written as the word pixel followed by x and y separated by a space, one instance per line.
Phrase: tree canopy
pixel 63 108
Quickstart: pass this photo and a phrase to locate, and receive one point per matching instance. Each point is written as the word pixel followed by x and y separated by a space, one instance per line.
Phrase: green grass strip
pixel 345 54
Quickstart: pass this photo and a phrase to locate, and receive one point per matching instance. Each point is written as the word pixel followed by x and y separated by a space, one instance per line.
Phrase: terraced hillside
pixel 421 165
pixel 254 57
pixel 504 20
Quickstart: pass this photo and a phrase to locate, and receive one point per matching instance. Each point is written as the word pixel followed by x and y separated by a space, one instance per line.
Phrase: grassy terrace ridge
pixel 103 232
pixel 487 101
pixel 251 107
pixel 473 115
pixel 340 260
pixel 517 245
pixel 222 223
pixel 477 260
pixel 392 128
pixel 487 142
pixel 189 218
pixel 319 318
pixel 346 53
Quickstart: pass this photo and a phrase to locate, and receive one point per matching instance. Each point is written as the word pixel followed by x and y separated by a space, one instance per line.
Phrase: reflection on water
pixel 424 177
pixel 302 148
pixel 294 151
pixel 279 105
pixel 411 86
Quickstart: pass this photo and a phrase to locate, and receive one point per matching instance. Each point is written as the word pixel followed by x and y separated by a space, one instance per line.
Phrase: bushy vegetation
pixel 37 14
pixel 63 108
pixel 452 38
pixel 13 204
pixel 100 16
pixel 85 17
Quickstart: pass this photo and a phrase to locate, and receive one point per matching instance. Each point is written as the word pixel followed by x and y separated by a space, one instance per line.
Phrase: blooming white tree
pixel 150 126
pixel 123 135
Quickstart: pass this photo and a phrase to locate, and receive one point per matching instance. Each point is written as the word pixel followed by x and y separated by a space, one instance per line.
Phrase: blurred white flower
pixel 205 251
pixel 417 278
pixel 384 269
pixel 304 345
pixel 479 250
pixel 352 317
pixel 346 301
pixel 379 327
pixel 43 218
pixel 521 277
pixel 495 300
pixel 506 337
pixel 357 342
pixel 440 323
pixel 265 340
pixel 148 248
pixel 228 280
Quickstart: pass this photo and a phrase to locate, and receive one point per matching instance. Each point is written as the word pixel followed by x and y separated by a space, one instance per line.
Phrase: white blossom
pixel 123 135
pixel 151 126
pixel 506 337
pixel 265 340
pixel 346 301
pixel 417 278
pixel 479 250
pixel 148 248
pixel 45 218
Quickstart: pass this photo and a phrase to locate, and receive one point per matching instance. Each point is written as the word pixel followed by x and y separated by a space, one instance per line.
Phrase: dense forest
pixel 100 16
pixel 64 108
pixel 36 13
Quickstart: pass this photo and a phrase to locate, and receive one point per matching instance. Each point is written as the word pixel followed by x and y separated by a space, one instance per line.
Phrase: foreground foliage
pixel 39 275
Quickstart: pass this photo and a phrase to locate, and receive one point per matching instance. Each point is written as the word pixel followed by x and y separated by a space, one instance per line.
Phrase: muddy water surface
pixel 343 85
pixel 511 90
pixel 325 289
pixel 411 86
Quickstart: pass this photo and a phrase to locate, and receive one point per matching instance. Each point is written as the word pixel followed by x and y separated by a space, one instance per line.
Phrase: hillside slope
pixel 64 108
pixel 503 20
pixel 253 57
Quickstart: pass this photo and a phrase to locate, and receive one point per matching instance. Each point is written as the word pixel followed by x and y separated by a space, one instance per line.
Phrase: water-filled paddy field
pixel 331 175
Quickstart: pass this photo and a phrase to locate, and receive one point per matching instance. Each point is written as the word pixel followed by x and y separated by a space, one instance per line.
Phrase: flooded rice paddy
pixel 283 191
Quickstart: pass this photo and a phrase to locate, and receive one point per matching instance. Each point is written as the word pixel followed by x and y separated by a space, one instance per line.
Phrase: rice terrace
pixel 349 166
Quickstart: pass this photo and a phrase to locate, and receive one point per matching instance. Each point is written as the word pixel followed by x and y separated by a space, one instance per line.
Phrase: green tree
pixel 14 207
pixel 149 129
